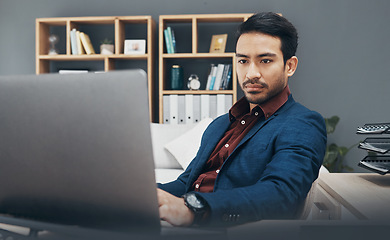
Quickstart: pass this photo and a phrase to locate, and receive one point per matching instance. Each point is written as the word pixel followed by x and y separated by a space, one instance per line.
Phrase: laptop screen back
pixel 76 149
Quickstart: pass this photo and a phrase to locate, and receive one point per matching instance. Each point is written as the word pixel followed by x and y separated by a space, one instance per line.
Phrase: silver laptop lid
pixel 76 149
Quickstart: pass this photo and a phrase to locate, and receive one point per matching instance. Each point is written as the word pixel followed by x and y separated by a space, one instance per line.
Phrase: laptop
pixel 75 150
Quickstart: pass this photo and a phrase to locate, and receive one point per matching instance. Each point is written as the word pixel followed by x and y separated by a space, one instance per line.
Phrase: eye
pixel 242 61
pixel 266 61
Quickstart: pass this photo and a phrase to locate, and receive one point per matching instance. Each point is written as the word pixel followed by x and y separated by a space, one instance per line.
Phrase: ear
pixel 291 65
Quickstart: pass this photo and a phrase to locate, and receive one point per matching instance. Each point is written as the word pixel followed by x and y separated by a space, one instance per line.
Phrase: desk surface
pixel 366 195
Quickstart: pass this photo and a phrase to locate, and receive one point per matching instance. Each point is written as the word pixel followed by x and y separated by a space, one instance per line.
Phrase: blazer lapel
pixel 260 124
pixel 254 130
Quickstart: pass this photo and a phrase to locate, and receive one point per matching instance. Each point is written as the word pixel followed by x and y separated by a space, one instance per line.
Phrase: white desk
pixel 366 196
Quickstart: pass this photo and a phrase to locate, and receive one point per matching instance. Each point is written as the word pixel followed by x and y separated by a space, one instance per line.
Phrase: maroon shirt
pixel 242 120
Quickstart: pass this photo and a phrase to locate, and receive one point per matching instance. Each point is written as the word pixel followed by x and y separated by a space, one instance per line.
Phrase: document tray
pixel 378 164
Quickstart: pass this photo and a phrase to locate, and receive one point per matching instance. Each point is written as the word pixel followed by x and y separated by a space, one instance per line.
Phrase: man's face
pixel 261 71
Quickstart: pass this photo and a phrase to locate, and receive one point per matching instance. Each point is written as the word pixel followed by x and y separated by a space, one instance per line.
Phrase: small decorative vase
pixel 107 49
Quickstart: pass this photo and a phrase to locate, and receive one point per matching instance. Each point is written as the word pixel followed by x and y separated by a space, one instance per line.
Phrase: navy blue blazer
pixel 269 173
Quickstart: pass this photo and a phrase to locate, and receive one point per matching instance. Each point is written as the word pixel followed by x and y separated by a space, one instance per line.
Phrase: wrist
pixel 197 206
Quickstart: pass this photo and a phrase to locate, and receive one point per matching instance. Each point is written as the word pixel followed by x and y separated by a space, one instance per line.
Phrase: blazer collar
pixel 241 107
pixel 290 101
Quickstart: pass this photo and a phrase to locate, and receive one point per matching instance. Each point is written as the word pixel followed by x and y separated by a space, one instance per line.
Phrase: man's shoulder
pixel 293 107
pixel 296 114
pixel 221 120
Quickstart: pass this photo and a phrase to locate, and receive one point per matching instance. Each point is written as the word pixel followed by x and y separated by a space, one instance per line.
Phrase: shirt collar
pixel 241 107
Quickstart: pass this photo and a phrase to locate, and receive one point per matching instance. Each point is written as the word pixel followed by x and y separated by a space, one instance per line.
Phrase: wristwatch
pixel 196 204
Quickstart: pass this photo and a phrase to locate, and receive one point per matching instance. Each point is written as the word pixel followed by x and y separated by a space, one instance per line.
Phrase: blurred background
pixel 343 49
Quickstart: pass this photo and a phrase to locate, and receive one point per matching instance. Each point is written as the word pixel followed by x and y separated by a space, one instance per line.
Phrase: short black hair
pixel 274 25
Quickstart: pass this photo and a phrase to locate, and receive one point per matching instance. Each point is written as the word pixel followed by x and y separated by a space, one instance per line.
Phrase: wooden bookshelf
pixel 118 24
pixel 194 23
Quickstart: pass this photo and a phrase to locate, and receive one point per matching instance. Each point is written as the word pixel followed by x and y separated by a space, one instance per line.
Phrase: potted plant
pixel 106 47
pixel 335 154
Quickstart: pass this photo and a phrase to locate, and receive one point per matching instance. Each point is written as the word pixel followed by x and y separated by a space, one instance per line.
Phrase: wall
pixel 343 52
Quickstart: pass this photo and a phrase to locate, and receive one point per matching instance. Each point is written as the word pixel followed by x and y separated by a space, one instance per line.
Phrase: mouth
pixel 253 88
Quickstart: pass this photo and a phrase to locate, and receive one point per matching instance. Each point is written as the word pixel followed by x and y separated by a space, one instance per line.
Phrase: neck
pixel 251 106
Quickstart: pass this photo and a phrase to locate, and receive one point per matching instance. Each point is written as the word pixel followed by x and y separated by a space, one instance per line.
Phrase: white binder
pixel 166 107
pixel 228 102
pixel 181 109
pixel 213 106
pixel 196 108
pixel 173 109
pixel 204 106
pixel 221 106
pixel 189 108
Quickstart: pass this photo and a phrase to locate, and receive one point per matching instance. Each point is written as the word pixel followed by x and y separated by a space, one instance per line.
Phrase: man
pixel 259 160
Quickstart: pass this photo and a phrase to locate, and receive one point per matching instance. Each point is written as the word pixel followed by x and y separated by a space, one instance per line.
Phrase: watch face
pixel 194 202
pixel 194 84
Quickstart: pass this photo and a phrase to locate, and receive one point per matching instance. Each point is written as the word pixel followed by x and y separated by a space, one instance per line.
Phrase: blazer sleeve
pixel 178 186
pixel 297 154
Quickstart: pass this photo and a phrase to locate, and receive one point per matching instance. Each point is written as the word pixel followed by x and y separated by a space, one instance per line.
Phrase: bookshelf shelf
pixel 92 57
pixel 72 57
pixel 117 28
pixel 196 92
pixel 198 55
pixel 195 52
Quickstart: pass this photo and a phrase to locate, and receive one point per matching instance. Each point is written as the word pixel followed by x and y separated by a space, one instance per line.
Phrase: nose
pixel 253 72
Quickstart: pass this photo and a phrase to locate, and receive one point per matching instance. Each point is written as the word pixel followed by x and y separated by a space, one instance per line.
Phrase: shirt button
pixel 226 145
pixel 217 171
pixel 197 186
pixel 243 122
pixel 256 113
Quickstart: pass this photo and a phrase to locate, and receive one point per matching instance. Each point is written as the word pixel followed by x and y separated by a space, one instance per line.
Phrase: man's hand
pixel 173 210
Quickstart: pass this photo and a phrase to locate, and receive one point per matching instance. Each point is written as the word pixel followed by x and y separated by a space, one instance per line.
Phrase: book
pixel 225 77
pixel 86 41
pixel 173 41
pixel 218 77
pixel 169 31
pixel 167 41
pixel 80 48
pixel 213 75
pixel 73 41
pixel 378 164
pixel 209 77
pixel 228 82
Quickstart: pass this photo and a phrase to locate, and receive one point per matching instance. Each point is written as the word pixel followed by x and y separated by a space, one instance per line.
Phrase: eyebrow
pixel 259 56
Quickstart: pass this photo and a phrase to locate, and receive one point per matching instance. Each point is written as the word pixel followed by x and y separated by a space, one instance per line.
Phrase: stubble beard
pixel 263 96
